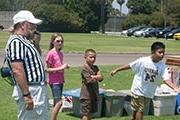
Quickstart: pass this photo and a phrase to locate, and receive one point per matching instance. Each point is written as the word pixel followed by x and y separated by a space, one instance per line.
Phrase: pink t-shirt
pixel 55 59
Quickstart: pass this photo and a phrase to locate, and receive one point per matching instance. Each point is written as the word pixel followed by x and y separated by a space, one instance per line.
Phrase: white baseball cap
pixel 25 15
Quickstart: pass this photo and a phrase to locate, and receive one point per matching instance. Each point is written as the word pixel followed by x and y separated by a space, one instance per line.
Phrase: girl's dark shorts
pixel 57 90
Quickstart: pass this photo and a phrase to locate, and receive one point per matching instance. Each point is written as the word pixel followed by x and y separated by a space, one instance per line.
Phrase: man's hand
pixel 177 89
pixel 29 102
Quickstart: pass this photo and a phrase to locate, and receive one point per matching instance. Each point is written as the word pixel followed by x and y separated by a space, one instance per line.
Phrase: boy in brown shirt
pixel 90 75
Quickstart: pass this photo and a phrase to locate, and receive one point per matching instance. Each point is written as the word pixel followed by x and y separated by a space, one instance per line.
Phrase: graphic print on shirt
pixel 150 74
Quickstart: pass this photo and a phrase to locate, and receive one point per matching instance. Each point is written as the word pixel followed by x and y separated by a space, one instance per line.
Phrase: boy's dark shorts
pixel 88 106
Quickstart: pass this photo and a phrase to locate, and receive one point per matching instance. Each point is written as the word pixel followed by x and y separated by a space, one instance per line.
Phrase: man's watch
pixel 26 94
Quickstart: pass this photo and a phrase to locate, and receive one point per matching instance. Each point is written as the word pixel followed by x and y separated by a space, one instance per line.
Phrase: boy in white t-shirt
pixel 147 71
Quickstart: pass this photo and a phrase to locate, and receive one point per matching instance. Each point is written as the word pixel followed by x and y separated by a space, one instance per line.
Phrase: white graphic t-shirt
pixel 146 75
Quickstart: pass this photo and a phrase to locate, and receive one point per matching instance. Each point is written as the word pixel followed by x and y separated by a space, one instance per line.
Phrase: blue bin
pixel 76 104
pixel 177 108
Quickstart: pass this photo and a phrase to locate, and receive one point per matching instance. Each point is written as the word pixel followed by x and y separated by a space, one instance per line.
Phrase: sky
pixel 124 7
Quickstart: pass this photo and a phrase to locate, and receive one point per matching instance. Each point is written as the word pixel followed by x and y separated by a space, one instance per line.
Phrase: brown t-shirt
pixel 89 88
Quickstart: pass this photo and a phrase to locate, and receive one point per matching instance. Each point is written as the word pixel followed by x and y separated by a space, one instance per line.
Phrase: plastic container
pixel 127 103
pixel 114 103
pixel 127 107
pixel 76 104
pixel 164 104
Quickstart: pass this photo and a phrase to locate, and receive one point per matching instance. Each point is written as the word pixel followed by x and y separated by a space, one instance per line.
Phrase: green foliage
pixel 51 1
pixel 5 5
pixel 136 20
pixel 172 10
pixel 56 18
pixel 84 8
pixel 159 12
pixel 156 19
pixel 143 6
pixel 64 15
pixel 89 11
pixel 86 15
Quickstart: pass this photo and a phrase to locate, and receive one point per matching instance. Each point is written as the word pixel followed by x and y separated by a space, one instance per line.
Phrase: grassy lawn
pixel 72 76
pixel 78 43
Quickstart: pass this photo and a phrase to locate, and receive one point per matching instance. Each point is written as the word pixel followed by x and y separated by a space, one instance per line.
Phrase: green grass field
pixel 78 43
pixel 120 81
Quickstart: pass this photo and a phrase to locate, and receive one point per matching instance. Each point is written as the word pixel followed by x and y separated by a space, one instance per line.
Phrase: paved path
pixel 77 59
pixel 102 59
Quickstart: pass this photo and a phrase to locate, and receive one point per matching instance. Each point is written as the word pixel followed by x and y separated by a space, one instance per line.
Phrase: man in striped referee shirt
pixel 28 71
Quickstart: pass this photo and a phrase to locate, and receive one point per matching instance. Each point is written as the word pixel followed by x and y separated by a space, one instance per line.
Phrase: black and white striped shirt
pixel 20 49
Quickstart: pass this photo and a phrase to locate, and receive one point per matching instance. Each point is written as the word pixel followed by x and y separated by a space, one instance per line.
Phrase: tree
pixel 120 2
pixel 56 18
pixel 143 6
pixel 84 10
pixel 90 11
pixel 87 12
pixel 166 15
pixel 172 12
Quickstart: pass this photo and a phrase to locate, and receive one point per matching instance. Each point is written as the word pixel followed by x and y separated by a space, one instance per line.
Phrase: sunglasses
pixel 58 41
pixel 37 33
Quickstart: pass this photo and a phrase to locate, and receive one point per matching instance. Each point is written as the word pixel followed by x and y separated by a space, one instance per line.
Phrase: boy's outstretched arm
pixel 120 68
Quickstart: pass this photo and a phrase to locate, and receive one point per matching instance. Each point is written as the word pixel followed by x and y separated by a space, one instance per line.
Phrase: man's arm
pixel 171 85
pixel 19 74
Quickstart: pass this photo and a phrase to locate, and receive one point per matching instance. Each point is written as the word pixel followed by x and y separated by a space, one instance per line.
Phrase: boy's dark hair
pixel 89 50
pixel 157 45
